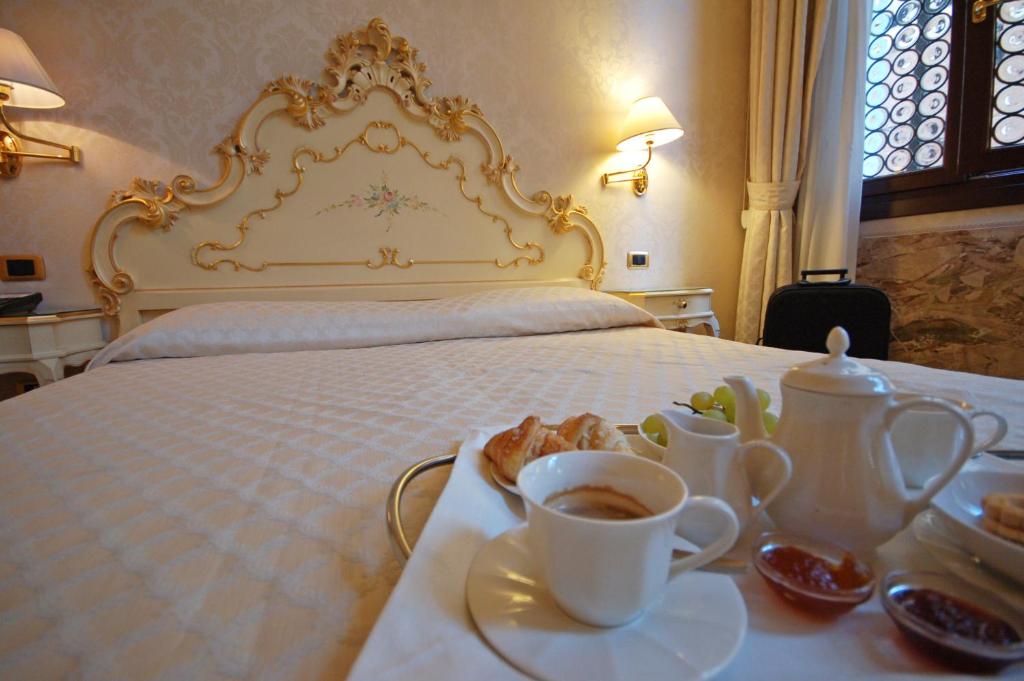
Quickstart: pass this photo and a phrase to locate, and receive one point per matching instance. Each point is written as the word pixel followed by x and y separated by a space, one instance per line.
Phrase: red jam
pixel 953 616
pixel 816 573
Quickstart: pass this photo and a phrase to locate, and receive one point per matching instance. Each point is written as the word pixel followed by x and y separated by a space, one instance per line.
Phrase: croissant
pixel 512 449
pixel 589 431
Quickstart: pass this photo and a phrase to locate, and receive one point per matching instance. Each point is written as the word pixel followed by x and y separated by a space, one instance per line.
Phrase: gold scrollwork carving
pixel 357 62
pixel 389 256
pixel 306 99
pixel 494 173
pixel 376 146
pixel 448 117
pixel 230 146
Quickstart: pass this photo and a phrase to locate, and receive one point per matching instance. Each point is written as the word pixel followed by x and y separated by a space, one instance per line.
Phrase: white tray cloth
pixel 426 631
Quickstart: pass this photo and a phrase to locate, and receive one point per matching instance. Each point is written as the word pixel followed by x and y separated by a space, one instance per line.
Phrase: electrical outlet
pixel 638 260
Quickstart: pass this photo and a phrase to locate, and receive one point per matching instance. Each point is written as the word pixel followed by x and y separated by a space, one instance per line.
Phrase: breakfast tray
pixel 425 630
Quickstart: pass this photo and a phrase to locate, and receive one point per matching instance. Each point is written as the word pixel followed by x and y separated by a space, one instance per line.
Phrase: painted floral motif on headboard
pixel 385 202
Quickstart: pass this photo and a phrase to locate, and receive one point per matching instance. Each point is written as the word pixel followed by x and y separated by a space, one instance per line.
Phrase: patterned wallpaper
pixel 152 86
pixel 957 296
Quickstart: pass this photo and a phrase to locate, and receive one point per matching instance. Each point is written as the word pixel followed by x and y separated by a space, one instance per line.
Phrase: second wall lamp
pixel 649 124
pixel 24 83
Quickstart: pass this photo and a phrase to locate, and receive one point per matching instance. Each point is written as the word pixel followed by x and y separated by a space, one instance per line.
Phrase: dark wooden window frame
pixel 972 176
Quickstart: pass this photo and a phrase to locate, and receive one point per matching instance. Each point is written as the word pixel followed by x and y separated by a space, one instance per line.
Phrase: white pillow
pixel 271 326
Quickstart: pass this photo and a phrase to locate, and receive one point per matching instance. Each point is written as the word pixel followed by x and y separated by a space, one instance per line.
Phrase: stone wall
pixel 957 297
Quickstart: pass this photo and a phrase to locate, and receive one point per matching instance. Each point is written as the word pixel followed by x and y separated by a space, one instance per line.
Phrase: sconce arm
pixel 74 153
pixel 632 173
pixel 638 176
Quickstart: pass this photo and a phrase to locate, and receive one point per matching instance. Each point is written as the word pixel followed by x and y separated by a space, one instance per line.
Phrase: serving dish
pixel 854 585
pixel 909 598
pixel 959 504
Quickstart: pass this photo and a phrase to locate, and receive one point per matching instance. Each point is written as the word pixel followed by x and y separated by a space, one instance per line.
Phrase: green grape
pixel 725 396
pixel 764 398
pixel 770 421
pixel 715 414
pixel 655 429
pixel 702 401
pixel 730 412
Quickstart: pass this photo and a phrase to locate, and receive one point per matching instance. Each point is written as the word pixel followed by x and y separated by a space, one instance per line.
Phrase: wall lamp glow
pixel 24 83
pixel 649 124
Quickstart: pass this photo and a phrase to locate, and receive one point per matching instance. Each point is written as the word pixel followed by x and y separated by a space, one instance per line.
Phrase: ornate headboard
pixel 360 187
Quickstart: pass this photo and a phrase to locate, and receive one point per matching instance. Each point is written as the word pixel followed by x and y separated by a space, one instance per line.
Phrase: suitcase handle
pixel 843 279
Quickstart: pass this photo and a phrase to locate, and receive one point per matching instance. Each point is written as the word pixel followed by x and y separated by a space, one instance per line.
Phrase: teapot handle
pixel 776 476
pixel 917 502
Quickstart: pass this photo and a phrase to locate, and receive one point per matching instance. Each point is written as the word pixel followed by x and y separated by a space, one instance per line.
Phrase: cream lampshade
pixel 649 122
pixel 30 86
pixel 24 83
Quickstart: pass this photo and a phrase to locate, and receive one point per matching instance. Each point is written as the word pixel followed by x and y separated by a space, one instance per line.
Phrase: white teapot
pixel 835 425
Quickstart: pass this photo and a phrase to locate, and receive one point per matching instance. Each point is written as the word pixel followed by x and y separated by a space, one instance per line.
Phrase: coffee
pixel 598 503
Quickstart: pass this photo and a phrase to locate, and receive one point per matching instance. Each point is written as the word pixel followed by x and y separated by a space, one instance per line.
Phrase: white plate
pixel 933 533
pixel 640 446
pixel 691 632
pixel 959 504
pixel 501 481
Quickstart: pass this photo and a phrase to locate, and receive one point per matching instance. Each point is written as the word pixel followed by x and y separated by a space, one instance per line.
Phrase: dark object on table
pixel 19 305
pixel 963 627
pixel 799 316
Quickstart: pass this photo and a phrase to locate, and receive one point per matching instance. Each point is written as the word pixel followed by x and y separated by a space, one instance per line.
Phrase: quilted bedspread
pixel 222 516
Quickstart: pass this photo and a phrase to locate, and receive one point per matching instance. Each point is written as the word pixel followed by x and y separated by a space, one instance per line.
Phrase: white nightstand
pixel 681 309
pixel 43 344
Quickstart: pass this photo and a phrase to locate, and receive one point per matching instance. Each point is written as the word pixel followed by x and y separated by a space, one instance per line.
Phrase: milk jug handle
pixel 917 500
pixel 783 470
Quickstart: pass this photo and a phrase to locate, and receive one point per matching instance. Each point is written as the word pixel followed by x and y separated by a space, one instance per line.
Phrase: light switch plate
pixel 22 268
pixel 638 260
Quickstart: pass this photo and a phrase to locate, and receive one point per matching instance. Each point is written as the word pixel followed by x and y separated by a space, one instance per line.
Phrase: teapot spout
pixel 748 409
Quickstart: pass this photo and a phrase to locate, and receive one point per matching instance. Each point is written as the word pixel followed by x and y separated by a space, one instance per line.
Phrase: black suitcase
pixel 799 316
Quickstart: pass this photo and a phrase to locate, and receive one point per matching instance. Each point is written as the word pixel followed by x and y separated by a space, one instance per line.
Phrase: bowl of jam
pixel 965 628
pixel 818 576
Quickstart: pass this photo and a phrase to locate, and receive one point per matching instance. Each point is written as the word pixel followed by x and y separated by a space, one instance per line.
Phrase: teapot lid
pixel 838 374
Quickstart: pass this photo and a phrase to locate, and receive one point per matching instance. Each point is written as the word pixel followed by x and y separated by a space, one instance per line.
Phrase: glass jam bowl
pixel 817 576
pixel 951 622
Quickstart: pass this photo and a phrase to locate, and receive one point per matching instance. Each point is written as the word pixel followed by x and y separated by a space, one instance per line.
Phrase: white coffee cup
pixel 926 439
pixel 605 572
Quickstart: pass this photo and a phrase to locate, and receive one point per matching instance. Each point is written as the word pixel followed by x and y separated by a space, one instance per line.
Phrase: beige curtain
pixel 806 106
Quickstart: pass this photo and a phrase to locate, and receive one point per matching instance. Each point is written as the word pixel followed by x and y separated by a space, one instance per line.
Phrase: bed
pixel 207 500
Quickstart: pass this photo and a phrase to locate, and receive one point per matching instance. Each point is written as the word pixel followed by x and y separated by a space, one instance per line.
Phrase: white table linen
pixel 426 631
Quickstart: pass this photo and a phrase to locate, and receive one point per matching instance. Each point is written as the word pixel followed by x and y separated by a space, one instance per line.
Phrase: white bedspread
pixel 223 516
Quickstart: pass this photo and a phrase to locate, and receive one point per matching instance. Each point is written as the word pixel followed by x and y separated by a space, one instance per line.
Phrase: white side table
pixel 43 344
pixel 681 309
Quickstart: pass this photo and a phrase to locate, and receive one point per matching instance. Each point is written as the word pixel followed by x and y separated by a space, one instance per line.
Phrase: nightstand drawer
pixel 678 309
pixel 677 303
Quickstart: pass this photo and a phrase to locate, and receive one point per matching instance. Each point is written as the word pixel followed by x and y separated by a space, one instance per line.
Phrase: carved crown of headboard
pixel 360 187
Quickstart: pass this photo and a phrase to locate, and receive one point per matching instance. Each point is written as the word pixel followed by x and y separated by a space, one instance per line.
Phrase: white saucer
pixel 691 632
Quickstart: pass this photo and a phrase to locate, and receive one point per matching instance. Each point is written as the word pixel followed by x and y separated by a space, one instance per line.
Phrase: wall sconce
pixel 649 124
pixel 24 83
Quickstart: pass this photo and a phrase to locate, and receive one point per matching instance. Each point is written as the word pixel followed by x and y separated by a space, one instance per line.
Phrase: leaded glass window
pixel 907 86
pixel 1008 91
pixel 944 114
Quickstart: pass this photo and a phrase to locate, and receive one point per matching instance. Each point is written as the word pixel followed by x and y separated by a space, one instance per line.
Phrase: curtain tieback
pixel 769 196
pixel 772 195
